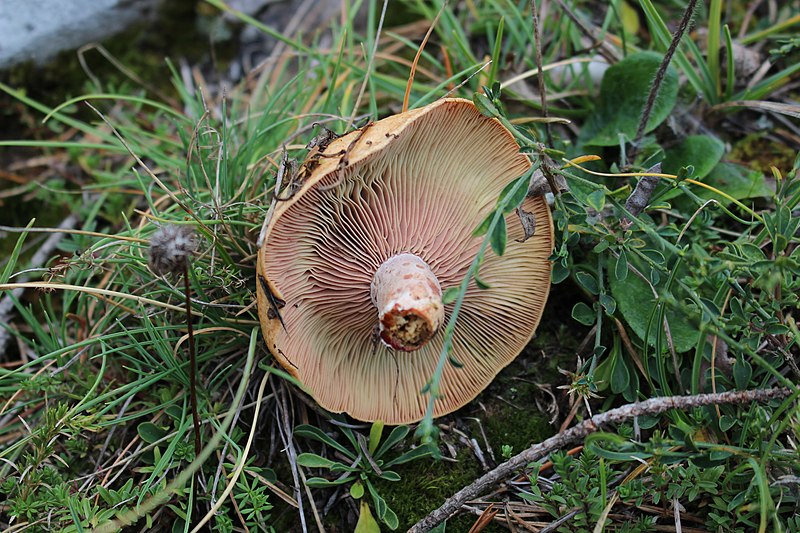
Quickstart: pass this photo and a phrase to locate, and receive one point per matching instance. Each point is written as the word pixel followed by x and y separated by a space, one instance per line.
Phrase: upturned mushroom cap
pixel 419 183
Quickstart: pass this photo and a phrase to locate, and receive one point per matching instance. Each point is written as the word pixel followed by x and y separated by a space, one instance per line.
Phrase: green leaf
pixel 389 475
pixel 621 266
pixel 483 227
pixel 636 302
pixel 719 455
pixel 174 412
pixel 726 422
pixel 313 432
pixel 601 246
pixel 703 152
pixel 608 303
pixel 583 314
pixel 519 189
pixel 623 94
pixel 397 434
pixel 385 514
pixel 736 181
pixel 499 236
pixel 11 262
pixel 620 376
pixel 366 523
pixel 587 281
pixel 482 285
pixel 602 374
pixel 654 255
pixel 450 295
pixel 380 503
pixel 453 361
pixel 338 468
pixel 321 482
pixel 684 173
pixel 423 450
pixel 312 460
pixel 390 519
pixel 742 373
pixel 560 272
pixel 150 432
pixel 375 433
pixel 357 490
pixel 484 105
pixel 597 200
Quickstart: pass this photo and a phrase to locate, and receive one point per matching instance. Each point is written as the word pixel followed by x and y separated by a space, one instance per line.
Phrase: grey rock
pixel 36 30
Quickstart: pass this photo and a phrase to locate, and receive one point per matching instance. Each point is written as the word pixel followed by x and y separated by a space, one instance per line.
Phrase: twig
pixel 560 522
pixel 287 435
pixel 537 37
pixel 641 194
pixel 577 433
pixel 659 78
pixel 99 293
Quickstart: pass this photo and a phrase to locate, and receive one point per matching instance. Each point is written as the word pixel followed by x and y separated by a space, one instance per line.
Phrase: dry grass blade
pixel 239 467
pixel 790 110
pixel 410 82
pixel 94 292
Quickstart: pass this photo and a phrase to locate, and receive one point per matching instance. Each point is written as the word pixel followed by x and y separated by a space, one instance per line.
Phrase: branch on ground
pixel 579 432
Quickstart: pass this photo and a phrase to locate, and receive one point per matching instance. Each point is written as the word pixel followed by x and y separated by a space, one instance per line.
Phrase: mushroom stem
pixel 409 301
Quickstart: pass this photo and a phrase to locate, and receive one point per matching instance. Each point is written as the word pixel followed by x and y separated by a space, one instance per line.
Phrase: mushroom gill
pixel 415 188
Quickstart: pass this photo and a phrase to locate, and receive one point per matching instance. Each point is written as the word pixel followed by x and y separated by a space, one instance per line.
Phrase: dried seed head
pixel 170 249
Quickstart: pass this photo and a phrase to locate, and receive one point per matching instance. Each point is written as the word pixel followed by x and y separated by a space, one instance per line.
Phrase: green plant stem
pixel 599 325
pixel 730 78
pixel 425 429
pixel 779 27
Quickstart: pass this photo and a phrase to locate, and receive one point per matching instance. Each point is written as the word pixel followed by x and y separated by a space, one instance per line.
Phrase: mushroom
pixel 357 254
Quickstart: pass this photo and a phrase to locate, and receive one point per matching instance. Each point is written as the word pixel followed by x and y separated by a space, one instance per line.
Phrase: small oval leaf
pixel 150 432
pixel 621 267
pixel 499 236
pixel 312 460
pixel 450 295
pixel 356 490
pixel 583 314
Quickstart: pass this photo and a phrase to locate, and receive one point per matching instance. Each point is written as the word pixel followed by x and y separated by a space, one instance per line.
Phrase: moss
pixel 517 426
pixel 424 485
pixel 760 152
pixel 511 413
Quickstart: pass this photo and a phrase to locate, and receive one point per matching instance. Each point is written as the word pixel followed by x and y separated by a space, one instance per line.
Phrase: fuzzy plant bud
pixel 170 249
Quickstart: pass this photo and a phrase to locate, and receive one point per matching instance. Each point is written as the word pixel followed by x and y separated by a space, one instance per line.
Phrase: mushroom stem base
pixel 408 298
